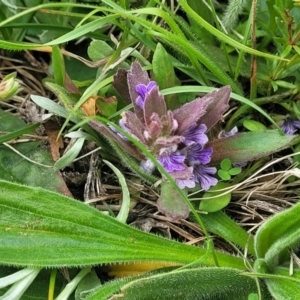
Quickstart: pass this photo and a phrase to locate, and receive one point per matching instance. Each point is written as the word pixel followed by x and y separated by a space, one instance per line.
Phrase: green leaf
pixel 52 107
pixel 226 164
pixel 171 203
pixel 252 125
pixel 38 290
pixel 249 146
pixel 222 36
pixel 70 155
pixel 284 286
pixel 235 171
pixel 14 167
pixel 10 136
pixel 218 202
pixel 277 235
pixel 98 50
pixel 87 285
pixel 58 66
pixel 164 74
pixel 124 211
pixel 196 283
pixel 220 224
pixel 253 296
pixel 66 98
pixel 6 32
pixel 224 175
pixel 48 229
pixel 108 106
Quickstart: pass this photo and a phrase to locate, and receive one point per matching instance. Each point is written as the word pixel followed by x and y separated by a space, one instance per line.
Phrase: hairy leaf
pixel 277 235
pixel 249 146
pixel 154 104
pixel 48 229
pixel 170 202
pixel 196 283
pixel 217 106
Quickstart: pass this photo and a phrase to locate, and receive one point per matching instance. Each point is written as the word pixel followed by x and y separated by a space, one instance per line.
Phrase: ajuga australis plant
pixel 177 139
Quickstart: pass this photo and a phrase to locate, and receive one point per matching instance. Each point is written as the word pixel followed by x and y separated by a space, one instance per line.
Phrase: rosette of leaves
pixel 178 139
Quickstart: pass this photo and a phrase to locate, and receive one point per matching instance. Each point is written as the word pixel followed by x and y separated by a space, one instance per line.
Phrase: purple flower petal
pixel 142 90
pixel 196 154
pixel 189 183
pixel 172 161
pixel 147 166
pixel 231 132
pixel 195 134
pixel 184 178
pixel 202 176
pixel 290 126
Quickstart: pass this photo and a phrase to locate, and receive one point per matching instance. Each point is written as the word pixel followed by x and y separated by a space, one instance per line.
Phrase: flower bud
pixel 9 87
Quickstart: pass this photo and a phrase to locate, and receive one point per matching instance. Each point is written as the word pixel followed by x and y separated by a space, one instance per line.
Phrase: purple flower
pixel 183 183
pixel 290 126
pixel 231 132
pixel 196 154
pixel 142 90
pixel 147 166
pixel 195 134
pixel 172 161
pixel 202 176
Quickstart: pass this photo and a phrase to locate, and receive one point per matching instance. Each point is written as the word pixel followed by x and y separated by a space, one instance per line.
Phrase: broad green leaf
pixel 9 122
pixel 164 74
pixel 14 167
pixel 171 203
pixel 197 283
pixel 48 229
pixel 98 50
pixel 277 235
pixel 252 125
pixel 249 146
pixel 218 202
